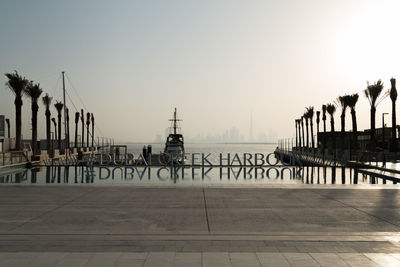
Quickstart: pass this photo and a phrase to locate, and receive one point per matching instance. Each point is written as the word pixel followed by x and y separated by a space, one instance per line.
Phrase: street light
pixel 383 129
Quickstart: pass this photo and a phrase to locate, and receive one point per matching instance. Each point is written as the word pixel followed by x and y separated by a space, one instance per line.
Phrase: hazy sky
pixel 217 61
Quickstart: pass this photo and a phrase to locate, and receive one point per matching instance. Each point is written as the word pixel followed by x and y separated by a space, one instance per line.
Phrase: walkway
pixel 300 225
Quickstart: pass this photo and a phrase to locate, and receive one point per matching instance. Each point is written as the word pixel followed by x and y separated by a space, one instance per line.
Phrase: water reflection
pixel 189 175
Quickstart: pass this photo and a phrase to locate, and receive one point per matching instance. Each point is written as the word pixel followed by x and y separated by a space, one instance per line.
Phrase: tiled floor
pixel 193 259
pixel 150 226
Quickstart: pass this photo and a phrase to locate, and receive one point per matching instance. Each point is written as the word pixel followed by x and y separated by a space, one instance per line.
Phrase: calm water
pixel 187 176
pixel 191 176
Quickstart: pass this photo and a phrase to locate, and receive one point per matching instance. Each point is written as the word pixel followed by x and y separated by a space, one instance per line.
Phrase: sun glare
pixel 369 47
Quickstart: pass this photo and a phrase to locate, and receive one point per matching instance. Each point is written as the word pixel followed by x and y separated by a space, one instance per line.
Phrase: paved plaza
pixel 89 225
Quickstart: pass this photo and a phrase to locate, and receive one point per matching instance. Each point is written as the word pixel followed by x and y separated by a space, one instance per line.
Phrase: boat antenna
pixel 65 109
pixel 175 120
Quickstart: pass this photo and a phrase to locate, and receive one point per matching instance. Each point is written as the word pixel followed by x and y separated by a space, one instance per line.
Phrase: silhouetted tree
pixel 47 102
pixel 55 128
pixel 393 97
pixel 59 106
pixel 324 120
pixel 67 122
pixel 92 130
pixel 299 127
pixel 318 121
pixel 302 130
pixel 34 91
pixel 330 108
pixel 310 115
pixel 306 119
pixel 342 101
pixel 17 85
pixel 87 128
pixel 352 101
pixel 76 128
pixel 83 127
pixel 297 141
pixel 372 92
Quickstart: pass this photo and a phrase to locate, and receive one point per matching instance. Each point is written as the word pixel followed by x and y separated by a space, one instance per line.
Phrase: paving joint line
pixel 347 205
pixel 52 210
pixel 206 211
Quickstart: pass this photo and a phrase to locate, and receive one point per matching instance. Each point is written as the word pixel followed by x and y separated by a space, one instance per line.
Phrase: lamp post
pixel 383 129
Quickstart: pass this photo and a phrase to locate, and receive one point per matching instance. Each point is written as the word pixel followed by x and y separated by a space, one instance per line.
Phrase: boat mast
pixel 65 109
pixel 175 121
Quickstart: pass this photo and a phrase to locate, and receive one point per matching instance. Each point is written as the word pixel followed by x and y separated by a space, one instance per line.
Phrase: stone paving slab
pixel 201 226
pixel 178 259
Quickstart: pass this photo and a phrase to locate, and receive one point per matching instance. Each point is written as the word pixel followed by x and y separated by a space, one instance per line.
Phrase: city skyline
pixel 269 58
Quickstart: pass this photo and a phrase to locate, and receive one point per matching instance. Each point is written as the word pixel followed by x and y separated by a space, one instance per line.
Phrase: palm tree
pixel 302 129
pixel 17 85
pixel 342 101
pixel 67 122
pixel 295 124
pixel 352 101
pixel 34 91
pixel 55 128
pixel 299 128
pixel 76 128
pixel 310 115
pixel 87 127
pixel 372 92
pixel 330 108
pixel 83 127
pixel 59 106
pixel 47 102
pixel 92 130
pixel 318 120
pixel 307 140
pixel 324 120
pixel 393 97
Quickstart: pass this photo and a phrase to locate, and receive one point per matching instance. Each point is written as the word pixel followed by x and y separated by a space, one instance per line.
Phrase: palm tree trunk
pixel 324 139
pixel 18 122
pixel 302 131
pixel 67 121
pixel 393 146
pixel 35 109
pixel 76 134
pixel 55 131
pixel 373 133
pixel 87 131
pixel 92 131
pixel 312 133
pixel 83 128
pixel 333 134
pixel 317 134
pixel 299 127
pixel 48 131
pixel 307 144
pixel 355 133
pixel 295 124
pixel 59 131
pixel 342 129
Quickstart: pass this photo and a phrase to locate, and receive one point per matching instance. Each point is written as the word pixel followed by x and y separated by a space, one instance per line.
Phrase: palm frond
pixel 58 106
pixel 330 108
pixel 33 91
pixel 16 83
pixel 47 100
pixel 373 91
